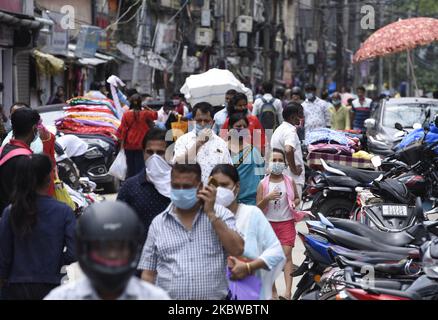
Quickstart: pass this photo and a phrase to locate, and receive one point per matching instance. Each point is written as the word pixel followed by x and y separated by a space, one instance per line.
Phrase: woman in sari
pixel 246 158
pixel 263 256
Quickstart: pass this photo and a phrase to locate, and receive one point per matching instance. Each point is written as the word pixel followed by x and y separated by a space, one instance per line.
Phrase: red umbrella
pixel 399 36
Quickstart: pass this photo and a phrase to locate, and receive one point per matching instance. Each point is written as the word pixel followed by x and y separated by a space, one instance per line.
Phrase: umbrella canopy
pixel 211 87
pixel 398 36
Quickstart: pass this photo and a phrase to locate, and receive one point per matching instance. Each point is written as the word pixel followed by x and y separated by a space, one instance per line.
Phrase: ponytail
pixel 33 173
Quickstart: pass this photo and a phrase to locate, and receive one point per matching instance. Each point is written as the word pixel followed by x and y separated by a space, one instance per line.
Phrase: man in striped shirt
pixel 361 109
pixel 187 245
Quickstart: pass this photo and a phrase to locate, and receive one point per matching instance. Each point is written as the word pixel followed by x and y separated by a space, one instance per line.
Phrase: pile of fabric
pixel 91 117
pixel 333 142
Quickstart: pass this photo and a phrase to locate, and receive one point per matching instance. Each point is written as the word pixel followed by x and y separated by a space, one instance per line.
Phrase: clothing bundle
pixel 333 142
pixel 90 116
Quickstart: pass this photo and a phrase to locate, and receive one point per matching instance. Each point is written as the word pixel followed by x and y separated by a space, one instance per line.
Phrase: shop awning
pixel 14 21
pixel 99 58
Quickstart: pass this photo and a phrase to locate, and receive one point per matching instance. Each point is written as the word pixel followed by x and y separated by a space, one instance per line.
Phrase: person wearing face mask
pixel 286 138
pixel 239 104
pixel 246 159
pixel 134 126
pixel 25 131
pixel 277 197
pixel 187 245
pixel 221 116
pixel 340 114
pixel 316 111
pixel 201 145
pixel 44 143
pixel 148 193
pixel 361 108
pixel 263 255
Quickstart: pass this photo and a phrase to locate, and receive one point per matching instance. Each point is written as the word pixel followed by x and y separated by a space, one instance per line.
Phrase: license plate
pixel 394 211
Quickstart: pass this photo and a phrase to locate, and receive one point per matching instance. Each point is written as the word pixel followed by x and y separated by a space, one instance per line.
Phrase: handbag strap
pixel 243 157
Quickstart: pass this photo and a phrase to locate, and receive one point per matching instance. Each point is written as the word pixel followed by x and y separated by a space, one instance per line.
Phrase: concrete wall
pixel 82 9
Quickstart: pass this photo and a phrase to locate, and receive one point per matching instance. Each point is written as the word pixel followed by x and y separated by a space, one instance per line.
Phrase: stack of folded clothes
pixel 90 116
pixel 333 142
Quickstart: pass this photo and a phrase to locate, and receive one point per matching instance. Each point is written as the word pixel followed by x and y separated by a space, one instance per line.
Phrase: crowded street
pixel 215 150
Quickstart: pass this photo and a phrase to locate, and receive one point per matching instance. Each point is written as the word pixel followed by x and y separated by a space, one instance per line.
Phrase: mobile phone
pixel 213 182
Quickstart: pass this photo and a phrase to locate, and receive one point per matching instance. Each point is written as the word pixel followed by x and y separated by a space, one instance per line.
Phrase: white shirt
pixel 286 135
pixel 212 153
pixel 278 210
pixel 82 290
pixel 316 115
pixel 162 116
pixel 219 120
pixel 258 104
pixel 366 103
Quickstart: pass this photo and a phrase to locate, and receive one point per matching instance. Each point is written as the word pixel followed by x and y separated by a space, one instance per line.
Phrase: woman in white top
pixel 277 196
pixel 263 255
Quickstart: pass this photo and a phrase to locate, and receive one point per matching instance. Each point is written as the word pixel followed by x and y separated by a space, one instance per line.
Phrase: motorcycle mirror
pixel 325 221
pixel 376 161
pixel 398 126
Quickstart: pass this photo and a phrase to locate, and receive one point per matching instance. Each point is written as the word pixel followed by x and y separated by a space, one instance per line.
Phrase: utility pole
pixel 356 37
pixel 339 47
pixel 143 29
pixel 380 81
pixel 346 27
pixel 408 70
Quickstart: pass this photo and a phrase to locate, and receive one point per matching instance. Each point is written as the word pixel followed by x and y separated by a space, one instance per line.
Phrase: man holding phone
pixel 202 145
pixel 187 245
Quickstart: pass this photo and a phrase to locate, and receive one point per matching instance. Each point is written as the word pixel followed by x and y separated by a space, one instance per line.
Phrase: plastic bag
pixel 62 195
pixel 246 289
pixel 119 167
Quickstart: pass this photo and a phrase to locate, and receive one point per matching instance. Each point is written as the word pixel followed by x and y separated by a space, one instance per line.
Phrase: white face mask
pixel 158 172
pixel 225 197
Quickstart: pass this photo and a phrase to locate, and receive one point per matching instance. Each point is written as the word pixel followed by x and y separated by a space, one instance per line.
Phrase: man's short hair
pixel 309 87
pixel 362 88
pixel 23 120
pixel 292 109
pixel 204 107
pixel 231 92
pixel 154 134
pixel 188 168
pixel 267 87
pixel 19 104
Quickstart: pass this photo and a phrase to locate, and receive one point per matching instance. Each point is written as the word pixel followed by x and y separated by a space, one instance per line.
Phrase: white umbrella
pixel 211 87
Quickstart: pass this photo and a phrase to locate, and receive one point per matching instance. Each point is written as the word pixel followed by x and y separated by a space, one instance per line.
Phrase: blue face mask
pixel 199 128
pixel 184 199
pixel 310 96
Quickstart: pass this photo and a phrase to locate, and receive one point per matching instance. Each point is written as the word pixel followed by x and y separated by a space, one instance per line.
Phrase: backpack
pixel 268 115
pixel 13 153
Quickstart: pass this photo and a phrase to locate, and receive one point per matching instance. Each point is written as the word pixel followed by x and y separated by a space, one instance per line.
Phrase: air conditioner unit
pixel 204 37
pixel 244 24
pixel 311 46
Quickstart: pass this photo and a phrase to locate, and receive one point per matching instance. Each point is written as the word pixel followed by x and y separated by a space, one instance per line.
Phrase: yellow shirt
pixel 340 118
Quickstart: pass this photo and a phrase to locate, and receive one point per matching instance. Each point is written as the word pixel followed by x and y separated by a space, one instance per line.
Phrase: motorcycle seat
pixel 355 242
pixel 366 256
pixel 387 268
pixel 397 239
pixel 360 175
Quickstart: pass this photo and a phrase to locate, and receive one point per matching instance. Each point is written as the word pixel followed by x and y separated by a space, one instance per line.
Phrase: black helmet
pixel 296 90
pixel 430 260
pixel 109 241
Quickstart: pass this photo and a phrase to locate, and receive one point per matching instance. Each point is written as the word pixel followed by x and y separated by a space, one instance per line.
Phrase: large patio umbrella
pixel 403 35
pixel 211 87
pixel 399 36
